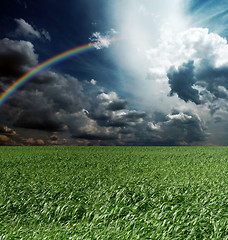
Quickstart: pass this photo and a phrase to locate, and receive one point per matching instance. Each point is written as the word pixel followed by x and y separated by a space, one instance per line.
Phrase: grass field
pixel 113 193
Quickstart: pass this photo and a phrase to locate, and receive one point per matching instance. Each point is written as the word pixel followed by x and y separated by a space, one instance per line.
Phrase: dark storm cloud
pixel 16 57
pixel 42 119
pixel 181 81
pixel 185 127
pixel 117 105
pixel 101 111
pixel 214 79
pixel 178 128
pixel 66 93
pixel 37 104
pixel 211 79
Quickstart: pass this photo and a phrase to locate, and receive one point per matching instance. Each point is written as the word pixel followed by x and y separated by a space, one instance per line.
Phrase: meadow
pixel 113 193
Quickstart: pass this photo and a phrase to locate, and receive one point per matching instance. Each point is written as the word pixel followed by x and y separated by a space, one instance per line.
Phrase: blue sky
pixel 164 83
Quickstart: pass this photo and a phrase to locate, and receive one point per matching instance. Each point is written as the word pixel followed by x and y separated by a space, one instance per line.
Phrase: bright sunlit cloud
pixel 102 40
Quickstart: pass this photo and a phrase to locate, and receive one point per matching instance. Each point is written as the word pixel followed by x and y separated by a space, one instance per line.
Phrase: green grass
pixel 113 193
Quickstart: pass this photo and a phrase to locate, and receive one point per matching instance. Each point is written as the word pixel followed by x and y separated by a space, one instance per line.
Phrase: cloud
pixel 82 127
pixel 41 118
pixel 117 105
pixel 206 70
pixel 181 82
pixel 59 95
pixel 46 34
pixel 49 92
pixel 132 127
pixel 185 127
pixel 179 129
pixel 213 79
pixel 176 128
pixel 186 70
pixel 109 110
pixel 192 57
pixel 93 82
pixel 102 40
pixel 56 104
pixel 6 130
pixel 16 58
pixel 95 137
pixel 24 29
pixel 9 137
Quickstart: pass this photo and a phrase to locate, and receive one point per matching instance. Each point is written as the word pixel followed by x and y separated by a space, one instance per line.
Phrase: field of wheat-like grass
pixel 113 193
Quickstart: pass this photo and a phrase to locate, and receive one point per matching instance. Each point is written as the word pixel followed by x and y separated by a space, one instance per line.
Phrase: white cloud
pixel 93 81
pixel 108 96
pixel 102 40
pixel 179 116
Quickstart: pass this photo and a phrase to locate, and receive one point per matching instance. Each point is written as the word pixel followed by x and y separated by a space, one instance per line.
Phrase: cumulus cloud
pixel 131 127
pixel 24 29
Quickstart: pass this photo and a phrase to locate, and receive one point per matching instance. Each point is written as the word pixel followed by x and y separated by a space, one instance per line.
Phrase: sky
pixel 163 81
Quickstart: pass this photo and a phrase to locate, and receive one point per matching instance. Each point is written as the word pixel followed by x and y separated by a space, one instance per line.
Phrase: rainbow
pixel 46 64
